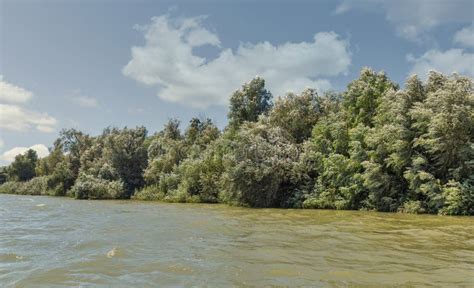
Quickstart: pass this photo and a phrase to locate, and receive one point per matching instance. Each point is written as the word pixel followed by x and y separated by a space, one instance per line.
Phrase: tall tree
pixel 363 96
pixel 23 168
pixel 297 114
pixel 249 102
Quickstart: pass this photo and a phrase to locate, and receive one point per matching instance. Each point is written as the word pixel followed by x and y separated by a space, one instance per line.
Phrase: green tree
pixel 249 102
pixel 259 166
pixel 363 95
pixel 442 168
pixel 297 114
pixel 390 147
pixel 200 133
pixel 126 155
pixel 74 143
pixel 23 167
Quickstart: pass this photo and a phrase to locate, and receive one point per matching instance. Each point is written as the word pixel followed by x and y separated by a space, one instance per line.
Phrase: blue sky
pixel 93 64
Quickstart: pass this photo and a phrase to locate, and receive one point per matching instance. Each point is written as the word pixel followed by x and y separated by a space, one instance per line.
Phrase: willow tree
pixel 297 114
pixel 389 147
pixel 443 165
pixel 249 102
pixel 259 165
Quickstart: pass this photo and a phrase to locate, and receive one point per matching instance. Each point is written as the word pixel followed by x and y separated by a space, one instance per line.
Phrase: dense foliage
pixel 373 147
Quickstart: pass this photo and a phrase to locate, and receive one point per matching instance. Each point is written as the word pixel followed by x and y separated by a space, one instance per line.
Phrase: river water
pixel 59 242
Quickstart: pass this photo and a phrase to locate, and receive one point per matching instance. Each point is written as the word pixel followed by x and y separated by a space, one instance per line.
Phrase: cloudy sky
pixel 95 64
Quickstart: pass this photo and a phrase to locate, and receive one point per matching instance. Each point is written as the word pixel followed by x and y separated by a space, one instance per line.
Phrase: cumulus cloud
pixel 465 36
pixel 13 116
pixel 9 156
pixel 449 61
pixel 13 94
pixel 167 60
pixel 414 19
pixel 16 118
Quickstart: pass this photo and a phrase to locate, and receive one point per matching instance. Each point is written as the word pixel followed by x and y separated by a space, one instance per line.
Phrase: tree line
pixel 374 146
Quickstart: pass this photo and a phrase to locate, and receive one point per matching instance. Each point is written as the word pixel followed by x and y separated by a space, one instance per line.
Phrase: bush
pixel 412 207
pixel 153 193
pixel 162 190
pixel 10 187
pixel 200 178
pixel 149 193
pixel 89 187
pixel 458 199
pixel 35 186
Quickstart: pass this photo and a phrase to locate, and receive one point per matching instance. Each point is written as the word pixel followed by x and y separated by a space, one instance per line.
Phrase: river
pixel 60 242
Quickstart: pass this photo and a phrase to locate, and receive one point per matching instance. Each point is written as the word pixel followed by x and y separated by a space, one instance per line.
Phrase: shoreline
pixel 240 207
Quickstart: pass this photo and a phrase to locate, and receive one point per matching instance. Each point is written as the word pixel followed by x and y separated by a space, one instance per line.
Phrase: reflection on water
pixel 58 242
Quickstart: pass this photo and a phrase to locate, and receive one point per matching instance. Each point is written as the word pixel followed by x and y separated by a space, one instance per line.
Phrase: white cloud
pixel 414 19
pixel 449 61
pixel 1 144
pixel 465 36
pixel 167 61
pixel 13 94
pixel 9 156
pixel 16 118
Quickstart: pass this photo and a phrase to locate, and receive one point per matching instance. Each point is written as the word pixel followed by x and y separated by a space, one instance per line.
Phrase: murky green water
pixel 55 242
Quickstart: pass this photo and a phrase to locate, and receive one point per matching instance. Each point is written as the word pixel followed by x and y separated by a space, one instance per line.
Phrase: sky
pixel 93 64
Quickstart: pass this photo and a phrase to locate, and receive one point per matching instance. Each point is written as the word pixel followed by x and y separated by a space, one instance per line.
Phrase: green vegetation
pixel 373 147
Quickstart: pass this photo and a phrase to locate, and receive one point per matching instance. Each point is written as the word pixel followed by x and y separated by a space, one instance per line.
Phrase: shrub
pixel 35 186
pixel 149 193
pixel 89 187
pixel 458 199
pixel 412 207
pixel 10 187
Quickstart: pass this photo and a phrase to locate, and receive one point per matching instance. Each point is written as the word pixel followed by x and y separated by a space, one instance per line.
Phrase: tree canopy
pixel 374 146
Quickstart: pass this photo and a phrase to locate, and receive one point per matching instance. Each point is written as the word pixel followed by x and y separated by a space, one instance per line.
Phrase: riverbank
pixel 38 187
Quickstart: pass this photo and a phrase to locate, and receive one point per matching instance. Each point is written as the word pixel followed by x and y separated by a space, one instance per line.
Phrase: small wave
pixel 10 257
pixel 112 253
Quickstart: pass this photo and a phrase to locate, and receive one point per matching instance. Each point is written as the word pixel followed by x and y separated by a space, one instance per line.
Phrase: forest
pixel 374 146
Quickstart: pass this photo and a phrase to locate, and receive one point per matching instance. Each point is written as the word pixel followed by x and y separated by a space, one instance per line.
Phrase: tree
pixel 259 166
pixel 363 95
pixel 3 174
pixel 171 130
pixel 23 168
pixel 442 167
pixel 165 152
pixel 126 155
pixel 201 176
pixel 74 143
pixel 446 124
pixel 389 147
pixel 46 165
pixel 249 102
pixel 297 114
pixel 201 132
